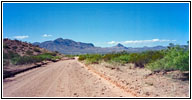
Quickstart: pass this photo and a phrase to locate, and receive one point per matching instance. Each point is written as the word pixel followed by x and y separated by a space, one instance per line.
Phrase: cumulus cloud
pixel 112 42
pixel 21 37
pixel 47 35
pixel 140 41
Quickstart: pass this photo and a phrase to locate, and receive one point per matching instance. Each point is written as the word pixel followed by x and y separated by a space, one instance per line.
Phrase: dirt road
pixel 67 78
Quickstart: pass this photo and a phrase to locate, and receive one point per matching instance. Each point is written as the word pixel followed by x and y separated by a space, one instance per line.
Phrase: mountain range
pixel 68 46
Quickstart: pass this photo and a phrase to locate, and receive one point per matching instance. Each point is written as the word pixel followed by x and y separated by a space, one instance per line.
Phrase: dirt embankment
pixel 12 70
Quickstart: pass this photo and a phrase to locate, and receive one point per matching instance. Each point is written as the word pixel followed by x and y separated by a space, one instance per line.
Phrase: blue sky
pixel 103 24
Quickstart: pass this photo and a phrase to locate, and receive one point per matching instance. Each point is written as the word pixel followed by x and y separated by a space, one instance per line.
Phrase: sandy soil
pixel 141 82
pixel 11 70
pixel 66 78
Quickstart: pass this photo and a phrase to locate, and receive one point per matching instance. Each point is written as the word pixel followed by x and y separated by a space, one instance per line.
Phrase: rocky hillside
pixel 16 52
pixel 21 48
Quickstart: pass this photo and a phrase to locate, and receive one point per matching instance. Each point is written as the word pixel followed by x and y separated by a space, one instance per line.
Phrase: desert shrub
pixel 128 58
pixel 33 59
pixel 139 59
pixel 22 60
pixel 147 57
pixel 26 60
pixel 159 65
pixel 179 57
pixel 55 57
pixel 92 61
pixel 93 58
pixel 121 59
pixel 71 56
pixel 9 55
pixel 14 47
pixel 176 58
pixel 56 52
pixel 133 57
pixel 23 45
pixel 5 46
pixel 155 55
pixel 45 56
pixel 108 57
pixel 36 50
pixel 53 53
pixel 28 52
pixel 5 55
pixel 5 62
pixel 182 62
pixel 82 57
pixel 90 58
pixel 17 40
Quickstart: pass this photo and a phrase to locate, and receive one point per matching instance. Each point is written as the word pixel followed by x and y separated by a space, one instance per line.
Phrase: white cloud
pixel 112 42
pixel 47 35
pixel 21 37
pixel 140 41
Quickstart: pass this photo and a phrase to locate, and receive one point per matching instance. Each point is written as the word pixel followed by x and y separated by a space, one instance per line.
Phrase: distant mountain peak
pixel 63 40
pixel 59 39
pixel 119 45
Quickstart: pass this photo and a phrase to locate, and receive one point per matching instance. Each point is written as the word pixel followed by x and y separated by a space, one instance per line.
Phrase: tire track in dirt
pixel 109 80
pixel 53 83
pixel 32 83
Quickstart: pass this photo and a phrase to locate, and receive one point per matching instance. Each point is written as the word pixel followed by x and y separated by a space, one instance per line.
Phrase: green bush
pixel 182 62
pixel 45 56
pixel 133 57
pixel 108 57
pixel 141 59
pixel 90 58
pixel 56 57
pixel 33 59
pixel 159 65
pixel 121 59
pixel 9 55
pixel 93 58
pixel 82 57
pixel 22 60
pixel 176 58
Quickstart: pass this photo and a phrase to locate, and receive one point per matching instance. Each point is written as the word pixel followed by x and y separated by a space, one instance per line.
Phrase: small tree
pixel 170 45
